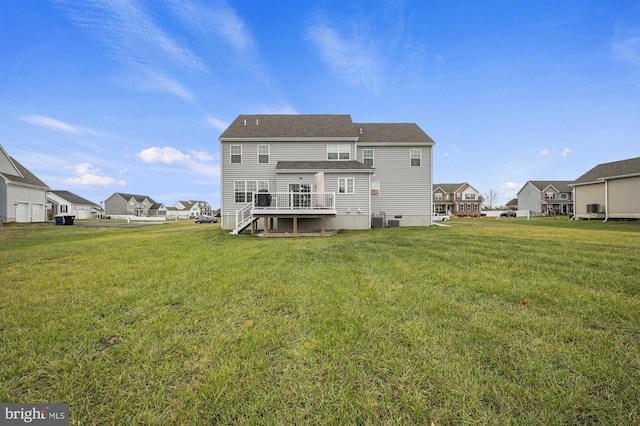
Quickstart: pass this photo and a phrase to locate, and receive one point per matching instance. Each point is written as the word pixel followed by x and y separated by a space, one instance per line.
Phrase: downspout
pixel 606 200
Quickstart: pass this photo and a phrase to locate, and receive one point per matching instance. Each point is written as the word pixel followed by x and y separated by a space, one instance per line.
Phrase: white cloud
pixel 627 50
pixel 166 155
pixel 509 189
pixel 217 123
pixel 51 123
pixel 565 152
pixel 354 59
pixel 131 36
pixel 201 156
pixel 544 152
pixel 86 175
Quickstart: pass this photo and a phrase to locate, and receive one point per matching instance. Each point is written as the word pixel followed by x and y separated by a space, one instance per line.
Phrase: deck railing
pixel 294 201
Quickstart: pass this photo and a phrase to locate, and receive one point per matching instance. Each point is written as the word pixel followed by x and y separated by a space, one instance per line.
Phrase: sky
pixel 105 96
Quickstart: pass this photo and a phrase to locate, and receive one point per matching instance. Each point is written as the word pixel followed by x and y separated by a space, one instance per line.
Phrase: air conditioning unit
pixel 593 208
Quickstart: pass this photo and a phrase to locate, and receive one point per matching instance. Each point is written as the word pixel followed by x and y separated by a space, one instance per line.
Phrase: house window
pixel 375 189
pixel 469 196
pixel 416 157
pixel 338 152
pixel 345 185
pixel 244 188
pixel 549 195
pixel 367 157
pixel 236 154
pixel 263 154
pixel 437 196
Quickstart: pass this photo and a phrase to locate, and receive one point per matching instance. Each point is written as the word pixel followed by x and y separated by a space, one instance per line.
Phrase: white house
pixel 68 203
pixel 189 209
pixel 23 197
pixel 313 172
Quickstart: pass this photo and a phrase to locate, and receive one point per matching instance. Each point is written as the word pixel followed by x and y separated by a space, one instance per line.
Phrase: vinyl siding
pixel 404 190
pixel 529 199
pixel 624 198
pixel 588 194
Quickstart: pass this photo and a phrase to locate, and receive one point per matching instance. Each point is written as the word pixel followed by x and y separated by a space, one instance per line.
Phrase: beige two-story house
pixel 460 199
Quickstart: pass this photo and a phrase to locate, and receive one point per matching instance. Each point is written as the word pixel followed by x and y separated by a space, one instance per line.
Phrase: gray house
pixel 23 197
pixel 313 172
pixel 609 191
pixel 546 197
pixel 121 204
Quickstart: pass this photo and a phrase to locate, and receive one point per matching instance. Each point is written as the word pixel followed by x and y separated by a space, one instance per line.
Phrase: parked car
pixel 207 219
pixel 440 217
pixel 508 214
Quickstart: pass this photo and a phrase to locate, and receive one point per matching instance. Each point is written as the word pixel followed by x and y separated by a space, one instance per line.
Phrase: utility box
pixel 377 220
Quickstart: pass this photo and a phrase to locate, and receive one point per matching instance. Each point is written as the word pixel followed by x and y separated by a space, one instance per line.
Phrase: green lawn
pixel 483 322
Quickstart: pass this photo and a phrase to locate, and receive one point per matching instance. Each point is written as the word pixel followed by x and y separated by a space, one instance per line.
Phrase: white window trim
pixel 231 154
pixel 268 154
pixel 364 158
pixel 411 157
pixel 339 151
pixel 346 186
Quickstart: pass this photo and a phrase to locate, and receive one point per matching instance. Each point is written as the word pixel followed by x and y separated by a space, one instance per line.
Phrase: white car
pixel 440 217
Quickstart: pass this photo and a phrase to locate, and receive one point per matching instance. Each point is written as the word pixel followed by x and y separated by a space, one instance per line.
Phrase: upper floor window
pixel 236 154
pixel 367 157
pixel 469 196
pixel 346 186
pixel 263 154
pixel 416 157
pixel 549 195
pixel 338 152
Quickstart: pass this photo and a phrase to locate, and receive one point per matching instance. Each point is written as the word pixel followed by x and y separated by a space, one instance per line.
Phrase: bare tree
pixel 490 199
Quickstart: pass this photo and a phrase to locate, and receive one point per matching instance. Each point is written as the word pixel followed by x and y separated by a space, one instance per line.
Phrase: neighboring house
pixel 23 197
pixel 189 209
pixel 546 197
pixel 313 172
pixel 68 203
pixel 609 191
pixel 120 204
pixel 460 199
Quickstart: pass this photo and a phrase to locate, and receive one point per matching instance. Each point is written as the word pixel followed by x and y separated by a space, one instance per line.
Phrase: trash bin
pixel 59 220
pixel 68 220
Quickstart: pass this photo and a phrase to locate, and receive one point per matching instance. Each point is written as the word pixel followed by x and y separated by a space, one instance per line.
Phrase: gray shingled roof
pixel 73 198
pixel 449 188
pixel 391 132
pixel 321 126
pixel 138 198
pixel 291 126
pixel 322 165
pixel 560 185
pixel 613 169
pixel 27 177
